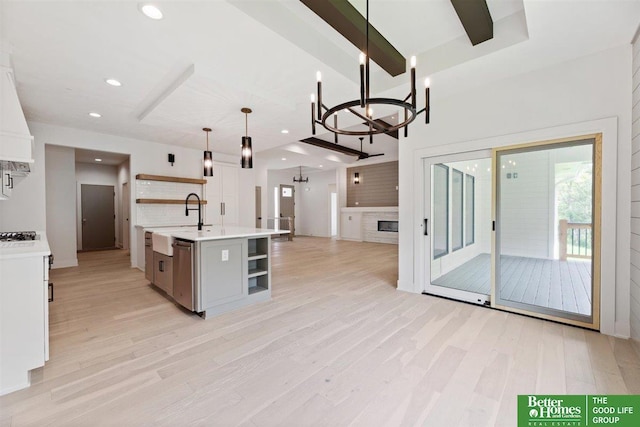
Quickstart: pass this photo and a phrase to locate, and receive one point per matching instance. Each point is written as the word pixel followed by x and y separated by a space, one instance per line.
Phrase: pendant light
pixel 208 157
pixel 247 152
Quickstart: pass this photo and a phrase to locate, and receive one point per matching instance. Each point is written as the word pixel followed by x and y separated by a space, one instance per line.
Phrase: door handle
pixel 221 208
pixel 161 266
pixel 11 181
pixel 426 226
pixel 8 180
pixel 50 292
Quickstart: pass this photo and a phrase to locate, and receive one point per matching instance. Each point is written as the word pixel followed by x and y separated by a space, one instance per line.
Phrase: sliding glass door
pixel 517 228
pixel 547 230
pixel 457 226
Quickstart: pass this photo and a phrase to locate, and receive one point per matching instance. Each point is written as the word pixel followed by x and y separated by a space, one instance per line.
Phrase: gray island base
pixel 215 270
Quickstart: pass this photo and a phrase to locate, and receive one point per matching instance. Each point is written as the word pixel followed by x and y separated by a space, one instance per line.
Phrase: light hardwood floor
pixel 337 345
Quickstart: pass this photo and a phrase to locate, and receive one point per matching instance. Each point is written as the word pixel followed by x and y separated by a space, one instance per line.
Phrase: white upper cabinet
pixel 222 195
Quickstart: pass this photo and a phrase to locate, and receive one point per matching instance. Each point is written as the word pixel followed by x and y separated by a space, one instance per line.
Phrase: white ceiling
pixel 205 60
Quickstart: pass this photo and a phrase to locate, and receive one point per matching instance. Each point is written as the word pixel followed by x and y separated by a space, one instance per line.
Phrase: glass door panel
pixel 457 216
pixel 544 241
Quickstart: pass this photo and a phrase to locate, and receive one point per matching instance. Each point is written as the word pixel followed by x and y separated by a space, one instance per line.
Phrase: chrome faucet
pixel 186 209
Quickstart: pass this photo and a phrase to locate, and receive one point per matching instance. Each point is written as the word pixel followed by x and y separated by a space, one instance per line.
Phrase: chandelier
pixel 363 108
pixel 299 178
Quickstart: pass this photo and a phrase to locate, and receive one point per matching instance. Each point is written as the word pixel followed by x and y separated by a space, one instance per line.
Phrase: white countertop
pixel 219 233
pixel 27 248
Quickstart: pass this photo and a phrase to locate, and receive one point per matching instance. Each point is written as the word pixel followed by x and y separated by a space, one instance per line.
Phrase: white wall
pixel 315 214
pixel 96 174
pixel 26 209
pixel 635 197
pixel 145 157
pixel 544 104
pixel 61 204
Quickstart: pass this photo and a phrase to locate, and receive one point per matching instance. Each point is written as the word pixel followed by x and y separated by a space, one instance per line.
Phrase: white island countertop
pixel 25 248
pixel 219 233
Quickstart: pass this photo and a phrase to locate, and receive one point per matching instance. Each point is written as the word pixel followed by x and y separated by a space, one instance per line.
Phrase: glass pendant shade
pixel 208 163
pixel 247 153
pixel 208 156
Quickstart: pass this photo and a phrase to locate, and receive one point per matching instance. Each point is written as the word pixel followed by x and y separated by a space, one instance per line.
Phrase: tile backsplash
pixel 161 214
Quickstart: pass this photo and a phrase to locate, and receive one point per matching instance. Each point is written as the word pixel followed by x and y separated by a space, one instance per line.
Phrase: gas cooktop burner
pixel 16 236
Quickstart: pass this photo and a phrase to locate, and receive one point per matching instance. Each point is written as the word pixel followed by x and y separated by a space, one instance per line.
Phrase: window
pixel 440 226
pixel 469 213
pixel 457 201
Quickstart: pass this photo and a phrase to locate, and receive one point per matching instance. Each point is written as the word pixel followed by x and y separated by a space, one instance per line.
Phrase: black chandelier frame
pixel 375 127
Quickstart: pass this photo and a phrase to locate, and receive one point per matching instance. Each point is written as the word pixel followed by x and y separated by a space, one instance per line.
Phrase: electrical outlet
pixel 225 255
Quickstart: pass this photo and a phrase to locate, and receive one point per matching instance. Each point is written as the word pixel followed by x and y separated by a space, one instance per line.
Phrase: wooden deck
pixel 336 346
pixel 561 285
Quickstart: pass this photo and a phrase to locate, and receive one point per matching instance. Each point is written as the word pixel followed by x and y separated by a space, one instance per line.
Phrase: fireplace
pixel 389 226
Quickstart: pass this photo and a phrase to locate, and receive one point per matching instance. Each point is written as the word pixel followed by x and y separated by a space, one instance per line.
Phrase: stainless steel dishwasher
pixel 183 283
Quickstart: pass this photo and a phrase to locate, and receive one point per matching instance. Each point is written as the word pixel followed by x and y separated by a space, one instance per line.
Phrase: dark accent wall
pixel 378 185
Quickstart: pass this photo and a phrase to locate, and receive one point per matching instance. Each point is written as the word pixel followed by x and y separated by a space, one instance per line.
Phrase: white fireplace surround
pixel 361 224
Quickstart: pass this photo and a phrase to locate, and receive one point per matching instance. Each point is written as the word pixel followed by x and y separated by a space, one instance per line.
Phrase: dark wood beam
pixel 392 134
pixel 475 18
pixel 338 148
pixel 346 20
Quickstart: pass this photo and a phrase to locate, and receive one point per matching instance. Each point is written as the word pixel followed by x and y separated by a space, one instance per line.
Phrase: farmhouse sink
pixel 161 242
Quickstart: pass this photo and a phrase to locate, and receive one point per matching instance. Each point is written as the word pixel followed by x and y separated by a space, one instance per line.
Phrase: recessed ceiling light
pixel 284 131
pixel 98 160
pixel 113 82
pixel 284 158
pixel 151 11
pixel 96 115
pixel 319 166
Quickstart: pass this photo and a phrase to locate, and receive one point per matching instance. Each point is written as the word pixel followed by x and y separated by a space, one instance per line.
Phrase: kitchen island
pixel 215 270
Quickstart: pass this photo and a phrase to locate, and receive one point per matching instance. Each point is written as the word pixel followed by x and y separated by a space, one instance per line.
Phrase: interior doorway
pixel 125 226
pixel 98 217
pixel 333 211
pixel 258 204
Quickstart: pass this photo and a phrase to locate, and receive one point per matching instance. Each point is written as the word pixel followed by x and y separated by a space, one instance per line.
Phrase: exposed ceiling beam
pixel 475 18
pixel 338 148
pixel 346 20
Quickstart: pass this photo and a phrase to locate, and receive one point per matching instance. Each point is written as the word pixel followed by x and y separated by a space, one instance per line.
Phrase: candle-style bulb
pixel 370 112
pixel 427 82
pixel 313 98
pixel 413 62
pixel 319 76
pixel 363 57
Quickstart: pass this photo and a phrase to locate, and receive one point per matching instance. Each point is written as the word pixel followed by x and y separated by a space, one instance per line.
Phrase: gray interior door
pixel 258 207
pixel 287 207
pixel 98 217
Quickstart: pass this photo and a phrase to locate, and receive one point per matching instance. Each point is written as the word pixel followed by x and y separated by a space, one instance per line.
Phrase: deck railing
pixel 575 239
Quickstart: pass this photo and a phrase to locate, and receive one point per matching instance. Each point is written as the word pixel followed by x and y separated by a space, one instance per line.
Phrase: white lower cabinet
pixel 24 316
pixel 351 226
